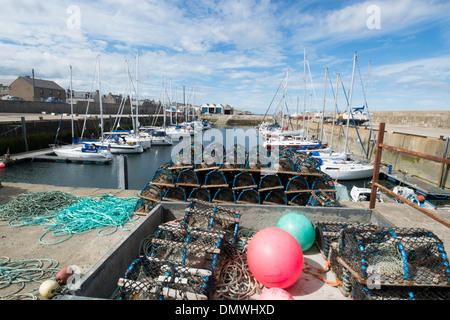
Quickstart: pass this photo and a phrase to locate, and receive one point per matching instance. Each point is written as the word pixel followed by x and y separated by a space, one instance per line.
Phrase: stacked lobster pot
pixel 239 176
pixel 178 261
pixel 375 263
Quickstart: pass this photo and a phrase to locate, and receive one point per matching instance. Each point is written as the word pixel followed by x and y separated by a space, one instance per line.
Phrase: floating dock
pixel 49 155
pixel 417 184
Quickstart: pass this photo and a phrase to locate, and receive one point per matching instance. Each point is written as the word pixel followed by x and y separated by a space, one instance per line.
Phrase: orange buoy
pixel 64 275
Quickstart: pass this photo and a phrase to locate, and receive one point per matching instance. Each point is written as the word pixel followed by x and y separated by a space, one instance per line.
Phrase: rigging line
pixel 337 108
pixel 281 82
pixel 348 119
pixel 89 99
pixel 312 84
pixel 365 101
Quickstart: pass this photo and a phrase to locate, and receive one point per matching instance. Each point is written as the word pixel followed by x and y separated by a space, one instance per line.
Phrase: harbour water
pixel 141 168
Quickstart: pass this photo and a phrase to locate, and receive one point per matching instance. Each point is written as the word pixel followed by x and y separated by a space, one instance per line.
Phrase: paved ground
pixel 86 250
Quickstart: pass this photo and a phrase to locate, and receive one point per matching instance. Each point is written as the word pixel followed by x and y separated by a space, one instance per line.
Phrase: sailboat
pixel 115 142
pixel 347 169
pixel 85 151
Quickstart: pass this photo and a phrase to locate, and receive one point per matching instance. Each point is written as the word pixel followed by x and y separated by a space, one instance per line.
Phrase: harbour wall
pixel 361 143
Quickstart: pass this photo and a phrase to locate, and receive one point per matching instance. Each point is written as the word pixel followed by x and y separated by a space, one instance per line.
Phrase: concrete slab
pixel 90 251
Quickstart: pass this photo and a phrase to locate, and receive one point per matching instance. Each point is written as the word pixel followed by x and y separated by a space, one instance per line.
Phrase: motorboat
pixel 86 151
pixel 363 194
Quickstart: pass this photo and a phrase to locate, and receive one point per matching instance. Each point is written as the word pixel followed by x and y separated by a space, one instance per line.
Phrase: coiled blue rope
pixel 103 213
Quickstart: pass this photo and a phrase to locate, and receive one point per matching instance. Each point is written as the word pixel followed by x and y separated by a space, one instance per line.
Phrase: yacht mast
pixel 349 105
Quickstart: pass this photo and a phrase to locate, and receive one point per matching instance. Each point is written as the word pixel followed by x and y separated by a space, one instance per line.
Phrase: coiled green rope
pixel 17 274
pixel 103 212
pixel 36 204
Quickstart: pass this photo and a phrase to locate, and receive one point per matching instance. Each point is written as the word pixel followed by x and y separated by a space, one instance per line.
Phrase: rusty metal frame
pixel 376 172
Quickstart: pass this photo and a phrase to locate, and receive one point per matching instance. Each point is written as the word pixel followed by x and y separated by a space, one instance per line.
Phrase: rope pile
pixel 234 280
pixel 15 275
pixel 36 204
pixel 64 215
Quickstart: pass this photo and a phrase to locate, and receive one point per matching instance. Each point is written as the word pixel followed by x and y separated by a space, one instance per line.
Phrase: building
pixel 216 109
pixel 36 89
pixel 4 86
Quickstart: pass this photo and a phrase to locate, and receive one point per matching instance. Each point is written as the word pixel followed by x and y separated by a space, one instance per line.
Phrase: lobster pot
pixel 143 206
pixel 224 195
pixel 328 232
pixel 283 163
pixel 322 182
pixel 193 247
pixel 307 165
pixel 248 196
pixel 244 180
pixel 181 161
pixel 151 193
pixel 275 197
pixel 150 278
pixel 232 162
pixel 215 179
pixel 270 182
pixel 396 256
pixel 300 199
pixel 206 162
pixel 201 214
pixel 175 194
pixel 188 178
pixel 200 194
pixel 216 150
pixel 372 291
pixel 240 152
pixel 296 185
pixel 257 162
pixel 321 198
pixel 162 177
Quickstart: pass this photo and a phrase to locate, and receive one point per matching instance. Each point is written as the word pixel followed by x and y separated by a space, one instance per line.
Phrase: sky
pixel 248 54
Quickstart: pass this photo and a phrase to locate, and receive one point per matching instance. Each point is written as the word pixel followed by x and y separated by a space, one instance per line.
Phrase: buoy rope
pixel 16 274
pixel 317 274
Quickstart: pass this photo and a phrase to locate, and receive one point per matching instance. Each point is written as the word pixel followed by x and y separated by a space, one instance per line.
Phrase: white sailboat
pixel 114 142
pixel 85 151
pixel 347 169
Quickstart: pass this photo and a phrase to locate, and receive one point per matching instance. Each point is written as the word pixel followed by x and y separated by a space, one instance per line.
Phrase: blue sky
pixel 237 52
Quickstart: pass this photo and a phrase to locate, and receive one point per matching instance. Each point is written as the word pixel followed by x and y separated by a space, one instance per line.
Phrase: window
pixel 50 91
pixel 41 90
pixel 59 92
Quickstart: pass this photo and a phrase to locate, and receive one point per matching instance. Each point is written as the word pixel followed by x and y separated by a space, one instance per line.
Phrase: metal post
pixel 24 132
pixel 376 169
pixel 123 172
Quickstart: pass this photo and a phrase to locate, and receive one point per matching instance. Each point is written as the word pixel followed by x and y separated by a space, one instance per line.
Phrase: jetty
pixel 47 154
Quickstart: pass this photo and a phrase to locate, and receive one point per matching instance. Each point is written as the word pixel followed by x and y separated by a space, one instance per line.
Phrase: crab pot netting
pixel 179 260
pixel 200 194
pixel 150 278
pixel 193 247
pixel 360 291
pixel 396 256
pixel 225 195
pixel 201 214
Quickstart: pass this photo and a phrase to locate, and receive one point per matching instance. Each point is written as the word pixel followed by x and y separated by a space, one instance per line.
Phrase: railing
pixel 376 172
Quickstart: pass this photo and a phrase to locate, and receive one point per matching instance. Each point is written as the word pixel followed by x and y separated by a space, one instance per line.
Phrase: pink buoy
pixel 275 294
pixel 275 258
pixel 2 165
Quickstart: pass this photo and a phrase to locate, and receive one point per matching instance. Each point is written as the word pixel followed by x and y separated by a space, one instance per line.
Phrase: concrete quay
pixel 89 249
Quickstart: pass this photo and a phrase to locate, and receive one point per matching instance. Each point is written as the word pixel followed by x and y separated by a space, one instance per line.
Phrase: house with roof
pixel 32 89
pixel 4 86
